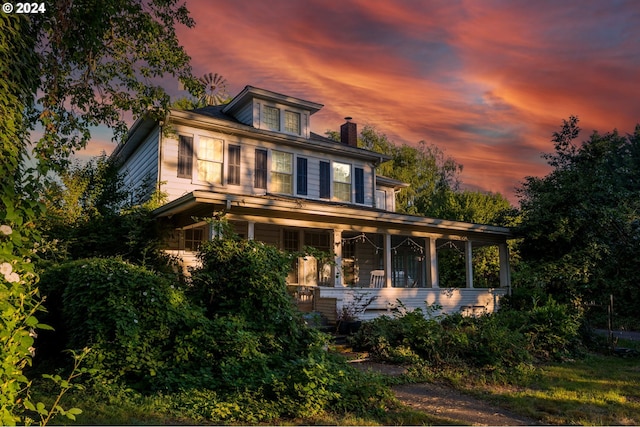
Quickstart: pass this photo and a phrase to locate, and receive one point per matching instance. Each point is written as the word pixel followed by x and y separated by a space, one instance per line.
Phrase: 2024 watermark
pixel 24 8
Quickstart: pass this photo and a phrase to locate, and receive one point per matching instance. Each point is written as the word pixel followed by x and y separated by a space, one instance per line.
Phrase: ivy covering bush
pixel 231 343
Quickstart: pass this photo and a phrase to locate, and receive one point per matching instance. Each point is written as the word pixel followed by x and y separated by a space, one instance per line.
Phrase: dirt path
pixel 459 408
pixel 447 403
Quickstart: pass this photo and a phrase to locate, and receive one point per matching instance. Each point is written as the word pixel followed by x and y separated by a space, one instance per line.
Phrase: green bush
pixel 232 347
pixel 504 339
pixel 142 329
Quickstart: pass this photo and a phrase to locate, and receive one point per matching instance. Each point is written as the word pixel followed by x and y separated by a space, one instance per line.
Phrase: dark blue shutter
pixel 325 180
pixel 234 165
pixel 260 180
pixel 185 156
pixel 359 185
pixel 301 172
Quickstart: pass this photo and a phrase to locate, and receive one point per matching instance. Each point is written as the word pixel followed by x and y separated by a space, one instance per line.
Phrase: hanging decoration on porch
pixel 363 238
pixel 450 245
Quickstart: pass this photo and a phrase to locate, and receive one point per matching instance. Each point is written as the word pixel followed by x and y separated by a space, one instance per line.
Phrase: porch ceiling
pixel 289 211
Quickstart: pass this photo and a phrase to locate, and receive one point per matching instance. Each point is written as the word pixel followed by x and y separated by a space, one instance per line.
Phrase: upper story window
pixel 342 181
pixel 292 122
pixel 381 199
pixel 210 157
pixel 272 117
pixel 282 172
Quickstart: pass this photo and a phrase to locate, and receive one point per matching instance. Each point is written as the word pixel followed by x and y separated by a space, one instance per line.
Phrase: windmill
pixel 215 88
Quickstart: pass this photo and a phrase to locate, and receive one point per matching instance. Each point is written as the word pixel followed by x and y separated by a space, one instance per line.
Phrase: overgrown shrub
pixel 504 339
pixel 142 329
pixel 234 346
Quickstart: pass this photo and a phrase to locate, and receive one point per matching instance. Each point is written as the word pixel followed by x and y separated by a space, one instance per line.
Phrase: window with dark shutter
pixel 301 173
pixel 234 165
pixel 325 180
pixel 260 180
pixel 359 175
pixel 185 156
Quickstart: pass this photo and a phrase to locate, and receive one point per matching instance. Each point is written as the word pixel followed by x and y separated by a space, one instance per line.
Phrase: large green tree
pixel 581 222
pixel 77 65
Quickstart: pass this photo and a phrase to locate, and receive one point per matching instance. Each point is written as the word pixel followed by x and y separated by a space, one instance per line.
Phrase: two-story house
pixel 257 160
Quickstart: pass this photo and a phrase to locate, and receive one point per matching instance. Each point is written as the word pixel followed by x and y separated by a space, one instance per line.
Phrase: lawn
pixel 596 390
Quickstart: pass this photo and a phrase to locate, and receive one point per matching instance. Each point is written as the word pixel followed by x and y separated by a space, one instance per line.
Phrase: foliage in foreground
pixel 233 348
pixel 498 341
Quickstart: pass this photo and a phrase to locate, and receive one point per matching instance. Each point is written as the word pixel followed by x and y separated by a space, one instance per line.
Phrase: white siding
pixel 176 187
pixel 141 168
pixel 245 114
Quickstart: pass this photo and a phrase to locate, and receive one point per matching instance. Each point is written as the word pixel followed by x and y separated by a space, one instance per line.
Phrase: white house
pixel 257 160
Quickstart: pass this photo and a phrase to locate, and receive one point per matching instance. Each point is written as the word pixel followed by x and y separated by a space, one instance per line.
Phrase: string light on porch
pixel 449 244
pixel 363 238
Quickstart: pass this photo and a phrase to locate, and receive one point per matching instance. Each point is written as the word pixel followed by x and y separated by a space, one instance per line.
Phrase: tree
pixel 425 167
pixel 78 65
pixel 581 222
pixel 126 46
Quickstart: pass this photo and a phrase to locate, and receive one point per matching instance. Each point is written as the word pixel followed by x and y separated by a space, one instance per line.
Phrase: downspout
pixel 158 182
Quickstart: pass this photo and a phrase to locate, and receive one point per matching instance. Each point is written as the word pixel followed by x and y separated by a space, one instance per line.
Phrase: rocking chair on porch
pixel 377 279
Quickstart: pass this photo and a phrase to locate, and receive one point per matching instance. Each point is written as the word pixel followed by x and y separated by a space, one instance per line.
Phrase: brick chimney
pixel 349 133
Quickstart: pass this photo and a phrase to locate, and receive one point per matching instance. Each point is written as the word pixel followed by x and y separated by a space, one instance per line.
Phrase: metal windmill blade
pixel 215 88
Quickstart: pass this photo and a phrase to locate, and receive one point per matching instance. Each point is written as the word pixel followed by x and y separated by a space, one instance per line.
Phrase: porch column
pixel 251 230
pixel 468 258
pixel 505 269
pixel 431 260
pixel 337 249
pixel 387 261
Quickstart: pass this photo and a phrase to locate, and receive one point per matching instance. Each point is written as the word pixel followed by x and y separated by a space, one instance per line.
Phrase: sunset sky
pixel 485 81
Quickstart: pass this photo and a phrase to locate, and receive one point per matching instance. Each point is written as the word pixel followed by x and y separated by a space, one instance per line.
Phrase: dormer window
pixel 272 118
pixel 292 122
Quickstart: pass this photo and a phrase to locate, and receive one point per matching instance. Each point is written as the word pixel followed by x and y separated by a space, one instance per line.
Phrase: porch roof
pixel 278 209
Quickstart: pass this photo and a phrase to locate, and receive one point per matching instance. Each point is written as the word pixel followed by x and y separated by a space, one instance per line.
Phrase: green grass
pixel 597 390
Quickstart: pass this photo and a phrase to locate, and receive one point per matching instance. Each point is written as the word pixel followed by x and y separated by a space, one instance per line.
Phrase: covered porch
pixel 353 253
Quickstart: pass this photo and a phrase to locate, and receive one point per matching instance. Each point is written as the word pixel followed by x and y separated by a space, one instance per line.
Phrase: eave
pixel 189 118
pixel 329 215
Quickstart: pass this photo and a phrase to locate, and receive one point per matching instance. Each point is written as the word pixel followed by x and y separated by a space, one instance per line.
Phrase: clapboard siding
pixel 176 187
pixel 141 168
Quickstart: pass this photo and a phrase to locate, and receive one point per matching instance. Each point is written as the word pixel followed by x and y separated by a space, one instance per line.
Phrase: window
pixel 342 181
pixel 281 172
pixel 290 240
pixel 381 199
pixel 272 118
pixel 292 122
pixel 210 160
pixel 325 180
pixel 185 156
pixel 359 177
pixel 260 179
pixel 301 174
pixel 234 165
pixel 193 238
pixel 318 240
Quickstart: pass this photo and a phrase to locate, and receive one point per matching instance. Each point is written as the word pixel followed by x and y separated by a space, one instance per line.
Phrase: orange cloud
pixel 488 82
